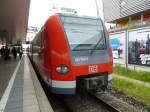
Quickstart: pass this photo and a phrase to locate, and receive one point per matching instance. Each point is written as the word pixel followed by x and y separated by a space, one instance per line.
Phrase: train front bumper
pixel 63 87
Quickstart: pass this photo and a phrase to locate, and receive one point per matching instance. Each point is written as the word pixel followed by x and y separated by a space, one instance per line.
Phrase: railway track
pixel 86 103
pixel 92 102
pixel 113 103
pixel 108 106
pixel 58 104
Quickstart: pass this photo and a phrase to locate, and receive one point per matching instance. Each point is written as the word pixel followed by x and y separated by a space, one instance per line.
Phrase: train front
pixel 84 61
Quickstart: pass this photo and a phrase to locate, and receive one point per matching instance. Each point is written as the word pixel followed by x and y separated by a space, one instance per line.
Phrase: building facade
pixel 123 12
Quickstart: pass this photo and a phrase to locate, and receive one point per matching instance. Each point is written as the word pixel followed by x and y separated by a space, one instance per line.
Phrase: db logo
pixel 93 69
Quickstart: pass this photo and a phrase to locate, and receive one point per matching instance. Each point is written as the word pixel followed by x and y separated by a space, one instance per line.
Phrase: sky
pixel 40 10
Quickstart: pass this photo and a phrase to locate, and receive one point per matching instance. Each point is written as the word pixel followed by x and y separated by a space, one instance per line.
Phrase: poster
pixel 139 46
pixel 118 47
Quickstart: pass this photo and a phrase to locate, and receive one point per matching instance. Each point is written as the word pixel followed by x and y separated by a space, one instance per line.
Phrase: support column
pixel 142 18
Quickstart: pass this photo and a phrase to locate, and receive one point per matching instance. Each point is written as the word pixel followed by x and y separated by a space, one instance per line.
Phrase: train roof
pixel 76 19
pixel 77 16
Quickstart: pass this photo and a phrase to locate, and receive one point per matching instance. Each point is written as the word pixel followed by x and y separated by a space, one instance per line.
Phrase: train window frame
pixel 63 18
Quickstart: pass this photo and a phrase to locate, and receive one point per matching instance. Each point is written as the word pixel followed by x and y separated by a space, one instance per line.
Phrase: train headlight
pixel 63 69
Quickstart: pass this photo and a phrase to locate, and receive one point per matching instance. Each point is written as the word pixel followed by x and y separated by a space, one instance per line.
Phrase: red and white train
pixel 72 53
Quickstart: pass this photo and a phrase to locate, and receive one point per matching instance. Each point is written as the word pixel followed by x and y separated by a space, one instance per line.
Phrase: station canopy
pixel 13 20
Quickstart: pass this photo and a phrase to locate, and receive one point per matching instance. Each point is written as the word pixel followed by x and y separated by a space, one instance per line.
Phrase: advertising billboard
pixel 139 46
pixel 118 47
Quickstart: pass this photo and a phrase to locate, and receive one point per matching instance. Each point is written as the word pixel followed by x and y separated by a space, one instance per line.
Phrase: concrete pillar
pixel 142 18
pixel 129 22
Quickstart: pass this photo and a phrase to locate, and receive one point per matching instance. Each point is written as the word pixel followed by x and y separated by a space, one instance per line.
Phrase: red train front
pixel 73 53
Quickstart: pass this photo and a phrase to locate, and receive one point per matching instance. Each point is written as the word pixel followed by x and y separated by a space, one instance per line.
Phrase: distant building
pixel 127 13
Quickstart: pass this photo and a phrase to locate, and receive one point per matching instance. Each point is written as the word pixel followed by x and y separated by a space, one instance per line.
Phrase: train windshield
pixel 84 33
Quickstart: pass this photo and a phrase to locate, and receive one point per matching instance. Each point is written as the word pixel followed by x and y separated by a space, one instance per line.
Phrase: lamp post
pixel 97 8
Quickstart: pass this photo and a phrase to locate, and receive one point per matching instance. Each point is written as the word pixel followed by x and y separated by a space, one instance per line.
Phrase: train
pixel 73 53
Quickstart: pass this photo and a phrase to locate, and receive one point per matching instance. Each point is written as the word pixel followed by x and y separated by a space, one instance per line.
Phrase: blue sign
pixel 115 43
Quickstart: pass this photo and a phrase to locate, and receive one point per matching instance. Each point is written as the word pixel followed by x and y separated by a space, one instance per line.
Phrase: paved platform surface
pixel 6 70
pixel 24 92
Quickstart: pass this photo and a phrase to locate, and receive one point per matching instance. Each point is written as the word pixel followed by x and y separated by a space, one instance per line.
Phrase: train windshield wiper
pixel 82 47
pixel 95 47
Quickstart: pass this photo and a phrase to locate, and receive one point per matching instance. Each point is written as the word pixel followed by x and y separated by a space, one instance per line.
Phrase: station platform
pixel 6 70
pixel 20 90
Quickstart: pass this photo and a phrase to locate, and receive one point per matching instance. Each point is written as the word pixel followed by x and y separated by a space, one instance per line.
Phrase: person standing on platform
pixel 20 52
pixel 14 52
pixel 2 51
pixel 6 52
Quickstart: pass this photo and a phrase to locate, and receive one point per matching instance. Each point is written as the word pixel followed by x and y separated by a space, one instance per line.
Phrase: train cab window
pixel 84 33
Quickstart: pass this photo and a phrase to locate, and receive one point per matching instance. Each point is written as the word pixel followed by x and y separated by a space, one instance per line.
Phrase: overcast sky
pixel 40 10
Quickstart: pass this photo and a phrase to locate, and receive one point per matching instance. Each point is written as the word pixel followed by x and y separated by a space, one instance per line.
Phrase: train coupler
pixel 94 83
